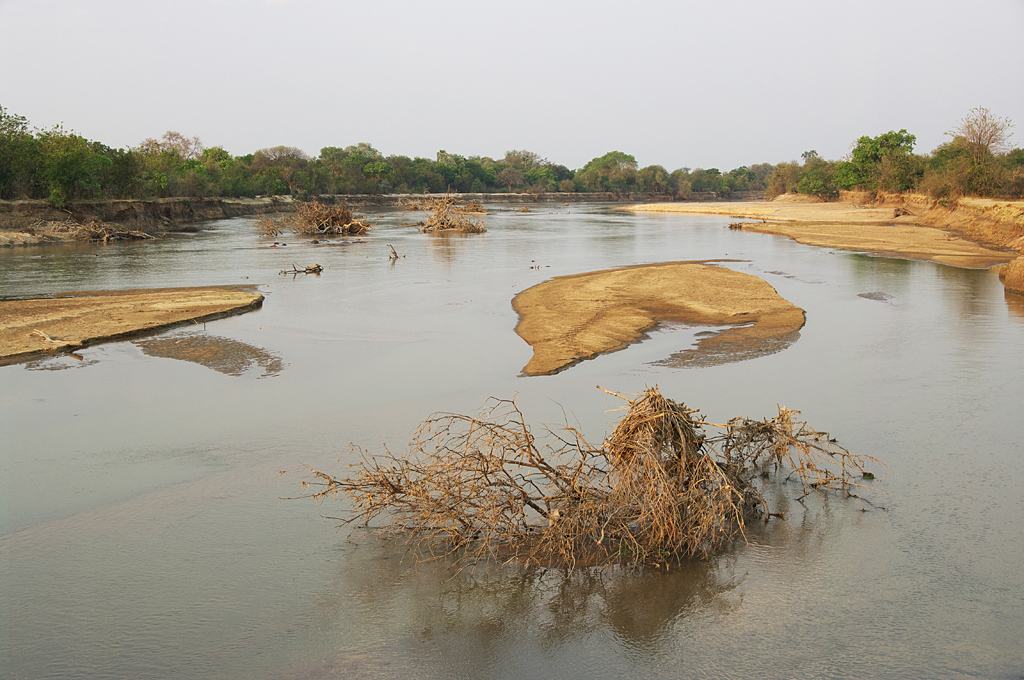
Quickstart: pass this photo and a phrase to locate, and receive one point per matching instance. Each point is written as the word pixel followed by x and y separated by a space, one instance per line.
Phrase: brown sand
pixel 73 320
pixel 871 228
pixel 576 317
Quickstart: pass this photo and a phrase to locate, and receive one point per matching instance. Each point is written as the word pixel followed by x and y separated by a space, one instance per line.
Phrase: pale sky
pixel 695 84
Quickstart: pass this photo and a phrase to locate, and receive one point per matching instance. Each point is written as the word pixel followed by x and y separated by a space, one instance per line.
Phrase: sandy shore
pixel 67 321
pixel 572 318
pixel 926 233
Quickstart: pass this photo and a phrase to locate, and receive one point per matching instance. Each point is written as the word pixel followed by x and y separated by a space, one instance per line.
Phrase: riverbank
pixel 67 321
pixel 972 233
pixel 572 318
pixel 32 222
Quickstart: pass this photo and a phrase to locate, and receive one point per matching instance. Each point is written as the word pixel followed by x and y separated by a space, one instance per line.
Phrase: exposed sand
pixel 847 225
pixel 576 317
pixel 73 320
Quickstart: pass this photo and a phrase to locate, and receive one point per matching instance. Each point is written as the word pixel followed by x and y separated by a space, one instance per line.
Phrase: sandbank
pixel 874 227
pixel 576 317
pixel 66 321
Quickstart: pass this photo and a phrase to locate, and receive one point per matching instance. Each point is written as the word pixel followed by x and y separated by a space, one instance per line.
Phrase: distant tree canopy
pixel 61 165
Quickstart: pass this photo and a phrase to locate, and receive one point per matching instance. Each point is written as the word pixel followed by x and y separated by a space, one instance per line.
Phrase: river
pixel 144 532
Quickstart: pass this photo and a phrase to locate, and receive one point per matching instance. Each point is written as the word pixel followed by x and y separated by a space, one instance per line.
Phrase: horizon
pixel 672 85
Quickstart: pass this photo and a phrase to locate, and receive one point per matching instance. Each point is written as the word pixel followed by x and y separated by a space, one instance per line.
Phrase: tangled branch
pixel 313 219
pixel 445 214
pixel 660 488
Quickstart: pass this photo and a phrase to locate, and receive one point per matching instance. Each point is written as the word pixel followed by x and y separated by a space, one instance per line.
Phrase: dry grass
pixel 660 489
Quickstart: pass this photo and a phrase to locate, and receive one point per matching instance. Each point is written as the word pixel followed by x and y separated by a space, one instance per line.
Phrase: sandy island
pixel 572 318
pixel 925 232
pixel 67 321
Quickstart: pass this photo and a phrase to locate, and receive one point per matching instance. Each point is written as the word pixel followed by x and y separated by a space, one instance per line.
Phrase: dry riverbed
pixel 66 321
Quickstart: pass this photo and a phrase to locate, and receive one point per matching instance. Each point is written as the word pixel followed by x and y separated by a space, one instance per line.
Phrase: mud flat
pixel 572 318
pixel 66 321
pixel 974 235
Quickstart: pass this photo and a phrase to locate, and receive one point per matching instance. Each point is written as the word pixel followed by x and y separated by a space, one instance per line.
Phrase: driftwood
pixel 660 489
pixel 471 208
pixel 442 216
pixel 313 219
pixel 93 230
pixel 315 269
pixel 58 341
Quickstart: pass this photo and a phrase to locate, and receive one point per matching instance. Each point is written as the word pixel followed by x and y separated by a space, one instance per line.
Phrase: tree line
pixel 978 160
pixel 60 165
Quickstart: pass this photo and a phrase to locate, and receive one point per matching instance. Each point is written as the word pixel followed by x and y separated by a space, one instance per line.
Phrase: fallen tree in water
pixel 445 214
pixel 93 230
pixel 313 219
pixel 660 489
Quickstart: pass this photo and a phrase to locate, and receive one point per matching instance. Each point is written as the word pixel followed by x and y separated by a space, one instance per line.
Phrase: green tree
pixel 20 158
pixel 653 178
pixel 614 171
pixel 884 162
pixel 817 177
pixel 73 168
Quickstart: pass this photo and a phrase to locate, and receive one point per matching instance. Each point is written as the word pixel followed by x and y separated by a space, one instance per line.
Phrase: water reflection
pixel 1014 303
pixel 60 363
pixel 223 355
pixel 472 621
pixel 737 343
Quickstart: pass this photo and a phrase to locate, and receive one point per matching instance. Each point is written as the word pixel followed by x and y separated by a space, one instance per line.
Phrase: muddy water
pixel 143 535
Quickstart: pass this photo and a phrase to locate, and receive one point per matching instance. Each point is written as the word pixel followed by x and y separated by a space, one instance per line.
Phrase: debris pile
pixel 661 488
pixel 93 230
pixel 444 214
pixel 313 219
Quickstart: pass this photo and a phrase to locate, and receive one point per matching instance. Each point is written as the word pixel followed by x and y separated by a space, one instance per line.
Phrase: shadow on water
pixel 483 621
pixel 223 355
pixel 737 343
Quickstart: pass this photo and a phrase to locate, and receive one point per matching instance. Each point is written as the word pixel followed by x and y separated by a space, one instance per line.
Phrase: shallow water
pixel 143 535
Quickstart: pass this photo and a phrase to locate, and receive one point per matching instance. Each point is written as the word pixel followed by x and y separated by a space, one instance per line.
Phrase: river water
pixel 144 535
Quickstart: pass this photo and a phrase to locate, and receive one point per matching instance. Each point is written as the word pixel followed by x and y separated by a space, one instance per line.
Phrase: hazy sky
pixel 696 84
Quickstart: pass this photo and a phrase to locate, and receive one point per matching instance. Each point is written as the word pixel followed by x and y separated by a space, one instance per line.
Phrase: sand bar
pixel 67 321
pixel 847 225
pixel 572 318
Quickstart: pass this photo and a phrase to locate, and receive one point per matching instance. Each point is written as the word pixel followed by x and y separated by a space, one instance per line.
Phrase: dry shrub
pixel 443 214
pixel 313 219
pixel 269 226
pixel 660 489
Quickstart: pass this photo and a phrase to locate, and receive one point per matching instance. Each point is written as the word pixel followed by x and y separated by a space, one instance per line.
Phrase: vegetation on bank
pixel 977 161
pixel 59 165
